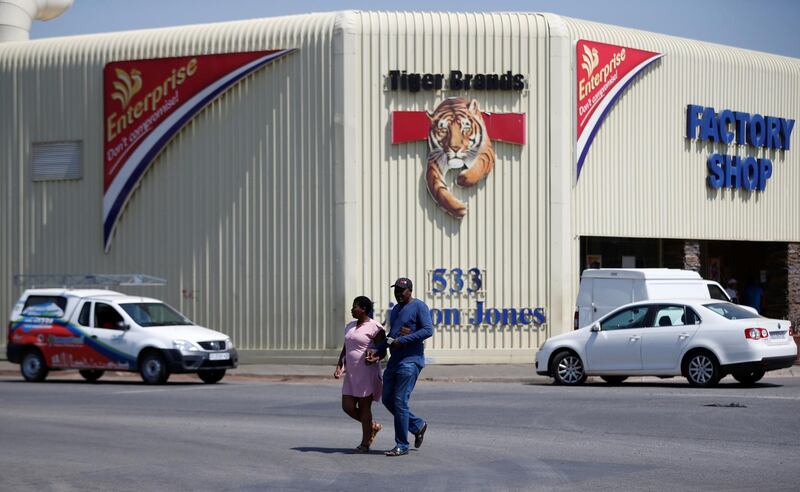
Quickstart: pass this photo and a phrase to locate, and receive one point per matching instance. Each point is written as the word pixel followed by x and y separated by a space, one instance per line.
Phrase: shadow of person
pixel 313 449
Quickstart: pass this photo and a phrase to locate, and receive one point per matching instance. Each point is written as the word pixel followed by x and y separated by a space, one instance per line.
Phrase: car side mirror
pixel 123 326
pixel 596 327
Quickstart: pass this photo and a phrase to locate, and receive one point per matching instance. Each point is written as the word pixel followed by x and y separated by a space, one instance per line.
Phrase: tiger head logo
pixel 127 86
pixel 457 139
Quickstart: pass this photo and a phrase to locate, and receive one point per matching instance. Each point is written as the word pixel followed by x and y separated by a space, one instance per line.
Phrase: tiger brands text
pixel 399 80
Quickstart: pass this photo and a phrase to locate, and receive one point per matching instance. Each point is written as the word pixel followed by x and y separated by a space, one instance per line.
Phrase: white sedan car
pixel 702 340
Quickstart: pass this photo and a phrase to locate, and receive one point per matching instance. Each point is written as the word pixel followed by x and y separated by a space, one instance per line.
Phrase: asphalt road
pixel 253 435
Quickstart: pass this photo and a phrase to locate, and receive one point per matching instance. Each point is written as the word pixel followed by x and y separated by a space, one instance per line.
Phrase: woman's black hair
pixel 366 304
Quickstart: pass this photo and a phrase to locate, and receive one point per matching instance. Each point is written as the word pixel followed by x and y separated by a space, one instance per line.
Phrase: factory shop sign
pixel 749 130
pixel 146 102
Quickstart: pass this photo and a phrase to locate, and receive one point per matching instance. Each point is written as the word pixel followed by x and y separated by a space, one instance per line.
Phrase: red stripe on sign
pixel 413 126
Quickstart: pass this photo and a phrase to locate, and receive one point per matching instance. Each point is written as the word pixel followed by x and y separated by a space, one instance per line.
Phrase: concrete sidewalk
pixel 461 373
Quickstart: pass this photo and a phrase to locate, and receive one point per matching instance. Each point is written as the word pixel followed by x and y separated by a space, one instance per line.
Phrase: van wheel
pixel 91 375
pixel 33 367
pixel 614 379
pixel 213 376
pixel 701 369
pixel 153 369
pixel 568 369
pixel 749 377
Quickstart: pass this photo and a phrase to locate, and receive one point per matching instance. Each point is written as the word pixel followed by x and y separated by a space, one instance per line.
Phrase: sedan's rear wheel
pixel 749 377
pixel 702 369
pixel 613 379
pixel 568 369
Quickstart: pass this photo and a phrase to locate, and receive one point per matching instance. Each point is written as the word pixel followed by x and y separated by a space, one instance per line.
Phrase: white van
pixel 605 289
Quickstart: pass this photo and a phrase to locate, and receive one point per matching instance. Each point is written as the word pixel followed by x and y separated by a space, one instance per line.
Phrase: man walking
pixel 410 324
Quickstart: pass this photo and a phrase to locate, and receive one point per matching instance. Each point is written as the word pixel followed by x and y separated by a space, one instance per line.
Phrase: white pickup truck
pixel 98 330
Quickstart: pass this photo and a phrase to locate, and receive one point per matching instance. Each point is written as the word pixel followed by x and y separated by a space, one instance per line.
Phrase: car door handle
pixel 683 336
pixel 635 338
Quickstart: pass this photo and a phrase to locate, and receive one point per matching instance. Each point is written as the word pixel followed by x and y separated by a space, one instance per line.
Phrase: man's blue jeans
pixel 398 382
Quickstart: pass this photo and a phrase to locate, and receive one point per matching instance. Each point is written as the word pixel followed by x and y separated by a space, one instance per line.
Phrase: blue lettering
pixel 773 132
pixel 708 129
pixel 731 171
pixel 726 118
pixel 764 173
pixel 452 317
pixel 493 316
pixel 741 125
pixel 478 319
pixel 524 316
pixel 436 316
pixel 538 316
pixel 509 316
pixel 749 174
pixel 786 131
pixel 756 133
pixel 716 176
pixel 692 120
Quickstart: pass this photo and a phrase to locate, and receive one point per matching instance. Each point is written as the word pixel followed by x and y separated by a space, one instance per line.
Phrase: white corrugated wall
pixel 236 213
pixel 394 228
pixel 643 178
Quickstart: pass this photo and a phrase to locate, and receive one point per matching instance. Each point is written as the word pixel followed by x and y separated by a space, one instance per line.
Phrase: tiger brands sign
pixel 603 71
pixel 459 137
pixel 146 102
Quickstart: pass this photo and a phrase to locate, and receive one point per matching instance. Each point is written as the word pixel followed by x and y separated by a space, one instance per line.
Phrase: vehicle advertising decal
pixel 459 137
pixel 146 102
pixel 603 73
pixel 65 345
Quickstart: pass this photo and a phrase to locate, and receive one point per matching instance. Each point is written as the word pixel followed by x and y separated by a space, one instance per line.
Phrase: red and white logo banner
pixel 146 102
pixel 604 71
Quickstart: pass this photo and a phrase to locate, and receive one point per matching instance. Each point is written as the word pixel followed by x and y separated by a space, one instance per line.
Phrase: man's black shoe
pixel 396 452
pixel 420 436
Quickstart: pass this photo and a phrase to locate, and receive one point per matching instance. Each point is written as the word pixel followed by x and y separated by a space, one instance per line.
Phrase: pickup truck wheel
pixel 33 367
pixel 212 376
pixel 702 369
pixel 91 375
pixel 614 379
pixel 749 377
pixel 153 369
pixel 568 369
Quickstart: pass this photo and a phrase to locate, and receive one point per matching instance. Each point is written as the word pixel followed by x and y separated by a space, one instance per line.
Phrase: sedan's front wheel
pixel 568 369
pixel 702 369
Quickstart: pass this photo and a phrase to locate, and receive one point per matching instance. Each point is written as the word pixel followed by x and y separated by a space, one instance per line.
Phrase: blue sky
pixel 762 25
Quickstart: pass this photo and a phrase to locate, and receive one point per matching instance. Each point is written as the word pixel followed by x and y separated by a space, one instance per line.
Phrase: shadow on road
pixel 105 383
pixel 311 449
pixel 657 384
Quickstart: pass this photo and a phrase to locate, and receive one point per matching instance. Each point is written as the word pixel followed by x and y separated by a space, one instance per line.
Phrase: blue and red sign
pixel 605 72
pixel 146 102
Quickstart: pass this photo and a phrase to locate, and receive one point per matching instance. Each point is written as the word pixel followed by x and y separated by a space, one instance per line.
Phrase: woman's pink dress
pixel 360 379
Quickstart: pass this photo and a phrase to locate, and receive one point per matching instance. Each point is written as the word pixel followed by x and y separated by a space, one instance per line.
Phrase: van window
pixel 627 318
pixel 45 306
pixel 105 316
pixel 84 317
pixel 716 293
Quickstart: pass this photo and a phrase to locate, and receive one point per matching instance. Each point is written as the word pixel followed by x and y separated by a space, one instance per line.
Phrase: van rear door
pixel 609 294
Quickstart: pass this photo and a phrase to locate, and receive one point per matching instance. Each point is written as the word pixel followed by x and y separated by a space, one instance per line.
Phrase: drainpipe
pixel 16 16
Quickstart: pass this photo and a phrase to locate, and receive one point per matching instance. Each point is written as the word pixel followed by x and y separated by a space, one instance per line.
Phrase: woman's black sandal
pixel 361 449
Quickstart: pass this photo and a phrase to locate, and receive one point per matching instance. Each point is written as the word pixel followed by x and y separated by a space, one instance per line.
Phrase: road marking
pixel 170 388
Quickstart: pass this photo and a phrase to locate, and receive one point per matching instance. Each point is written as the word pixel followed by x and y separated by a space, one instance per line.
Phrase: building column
pixel 691 255
pixel 793 288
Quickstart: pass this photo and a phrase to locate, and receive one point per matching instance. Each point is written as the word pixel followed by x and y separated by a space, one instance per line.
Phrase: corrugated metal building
pixel 304 184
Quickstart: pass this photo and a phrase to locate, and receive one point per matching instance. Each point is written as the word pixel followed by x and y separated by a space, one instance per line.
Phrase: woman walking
pixel 362 379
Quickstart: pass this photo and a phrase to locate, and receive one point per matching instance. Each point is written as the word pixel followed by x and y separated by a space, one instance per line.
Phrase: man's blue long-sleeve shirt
pixel 417 317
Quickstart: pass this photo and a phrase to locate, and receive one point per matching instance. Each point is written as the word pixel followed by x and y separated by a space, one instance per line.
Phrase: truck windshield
pixel 731 311
pixel 154 314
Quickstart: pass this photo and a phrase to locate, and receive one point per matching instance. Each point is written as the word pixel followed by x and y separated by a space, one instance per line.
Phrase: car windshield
pixel 731 311
pixel 154 314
